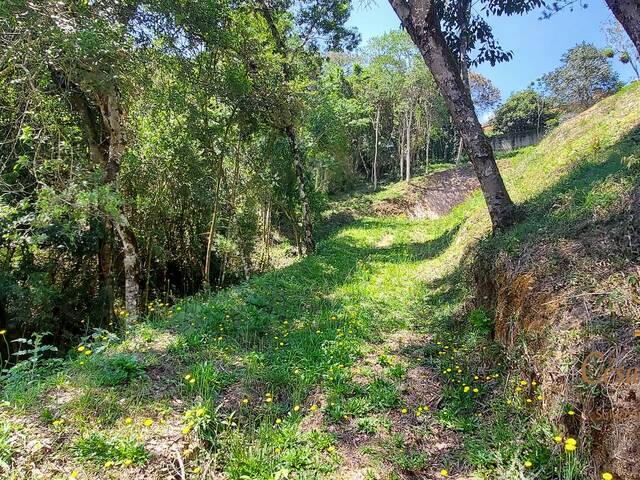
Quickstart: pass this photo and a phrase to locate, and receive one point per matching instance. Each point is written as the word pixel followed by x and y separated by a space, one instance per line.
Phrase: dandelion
pixel 466 389
pixel 148 422
pixel 571 412
pixel 475 390
pixel 192 381
pixel 87 352
pixel 127 461
pixel 58 422
pixel 74 474
pixel 81 348
pixel 296 408
pixel 528 464
pixel 523 382
pixel 186 430
pixel 607 476
pixel 2 332
pixel 331 449
pixel 444 473
pixel 404 410
pixel 245 401
pixel 557 439
pixel 278 450
pixel 187 377
pixel 108 464
pixel 278 421
pixel 197 470
pixel 313 408
pixel 569 447
pixel 128 421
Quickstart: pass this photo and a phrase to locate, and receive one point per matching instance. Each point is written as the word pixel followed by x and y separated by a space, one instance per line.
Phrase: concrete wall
pixel 505 143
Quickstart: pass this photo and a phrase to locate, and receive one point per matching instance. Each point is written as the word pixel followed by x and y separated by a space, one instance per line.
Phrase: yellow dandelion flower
pixel 74 474
pixel 278 421
pixel 571 441
pixel 528 464
pixel 108 464
pixel 296 408
pixel 571 412
pixel 187 376
pixel 128 421
pixel 192 381
pixel 2 332
pixel 278 450
pixel 466 389
pixel 404 410
pixel 331 449
pixel 186 430
pixel 87 352
pixel 557 439
pixel 475 390
pixel 148 422
pixel 127 461
pixel 444 473
pixel 523 382
pixel 197 469
pixel 313 408
pixel 81 348
pixel 607 476
pixel 245 400
pixel 569 447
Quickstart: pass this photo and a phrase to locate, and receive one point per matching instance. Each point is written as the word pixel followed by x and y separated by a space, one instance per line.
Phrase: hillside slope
pixel 375 358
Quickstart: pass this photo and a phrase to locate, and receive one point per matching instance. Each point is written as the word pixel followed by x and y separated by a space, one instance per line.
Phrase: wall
pixel 505 143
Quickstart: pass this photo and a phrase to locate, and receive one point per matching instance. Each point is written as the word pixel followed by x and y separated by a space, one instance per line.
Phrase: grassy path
pixel 359 362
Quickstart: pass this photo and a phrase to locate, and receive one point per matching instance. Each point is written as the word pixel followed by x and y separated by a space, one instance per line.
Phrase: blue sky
pixel 537 45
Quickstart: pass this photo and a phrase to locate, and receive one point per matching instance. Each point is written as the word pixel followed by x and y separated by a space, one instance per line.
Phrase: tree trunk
pixel 105 264
pixel 463 22
pixel 375 149
pixel 131 284
pixel 402 139
pixel 459 154
pixel 426 168
pixel 627 12
pixel 290 131
pixel 109 105
pixel 419 18
pixel 309 243
pixel 407 168
pixel 212 227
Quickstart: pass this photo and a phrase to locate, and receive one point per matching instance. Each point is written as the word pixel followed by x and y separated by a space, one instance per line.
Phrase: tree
pixel 484 93
pixel 583 77
pixel 523 111
pixel 420 19
pixel 620 45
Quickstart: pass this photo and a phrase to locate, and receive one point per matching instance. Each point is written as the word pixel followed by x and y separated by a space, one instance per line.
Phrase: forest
pixel 189 169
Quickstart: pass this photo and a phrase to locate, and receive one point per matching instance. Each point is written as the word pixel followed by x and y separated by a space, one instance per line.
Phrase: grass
pixel 286 372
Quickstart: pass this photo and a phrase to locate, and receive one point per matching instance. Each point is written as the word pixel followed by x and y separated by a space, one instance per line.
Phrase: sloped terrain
pixel 406 348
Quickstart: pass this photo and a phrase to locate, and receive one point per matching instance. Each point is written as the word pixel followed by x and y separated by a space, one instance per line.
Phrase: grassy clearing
pixel 363 359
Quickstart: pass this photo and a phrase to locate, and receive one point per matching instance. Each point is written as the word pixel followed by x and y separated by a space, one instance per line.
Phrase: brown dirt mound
pixel 432 196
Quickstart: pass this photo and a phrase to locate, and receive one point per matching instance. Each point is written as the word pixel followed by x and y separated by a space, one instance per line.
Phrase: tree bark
pixel 426 168
pixel 109 105
pixel 375 149
pixel 309 242
pixel 407 168
pixel 627 12
pixel 419 18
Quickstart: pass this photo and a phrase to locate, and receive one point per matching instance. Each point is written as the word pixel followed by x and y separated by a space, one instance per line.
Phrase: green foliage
pixel 584 77
pixel 118 369
pixel 525 111
pixel 98 448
